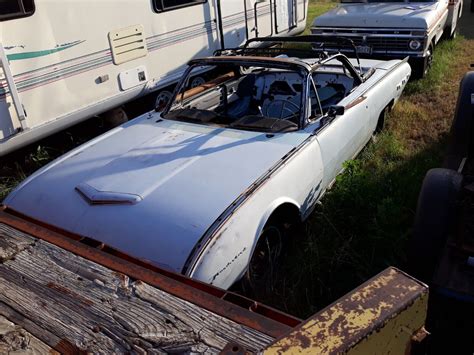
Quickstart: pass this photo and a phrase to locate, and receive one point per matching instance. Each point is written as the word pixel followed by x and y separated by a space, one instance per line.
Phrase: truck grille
pixel 393 41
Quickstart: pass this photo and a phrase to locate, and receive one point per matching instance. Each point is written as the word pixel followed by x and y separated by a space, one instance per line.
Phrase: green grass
pixel 444 55
pixel 317 8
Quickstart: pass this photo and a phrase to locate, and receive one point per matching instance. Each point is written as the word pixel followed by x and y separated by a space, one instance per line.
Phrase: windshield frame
pixel 301 68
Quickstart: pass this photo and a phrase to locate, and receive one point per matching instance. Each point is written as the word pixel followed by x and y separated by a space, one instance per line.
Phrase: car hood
pixel 150 189
pixel 383 15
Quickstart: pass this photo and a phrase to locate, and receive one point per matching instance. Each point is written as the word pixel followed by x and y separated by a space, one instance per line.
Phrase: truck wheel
pixel 421 66
pixel 461 137
pixel 435 216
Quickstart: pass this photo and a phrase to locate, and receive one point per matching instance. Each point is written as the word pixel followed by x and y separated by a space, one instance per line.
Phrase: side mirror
pixel 336 110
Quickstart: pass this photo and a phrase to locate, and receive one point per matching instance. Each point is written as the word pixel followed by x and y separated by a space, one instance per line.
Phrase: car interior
pixel 262 99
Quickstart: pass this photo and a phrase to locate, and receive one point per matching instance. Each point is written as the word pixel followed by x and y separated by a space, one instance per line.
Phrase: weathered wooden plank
pixel 98 310
pixel 14 339
pixel 12 242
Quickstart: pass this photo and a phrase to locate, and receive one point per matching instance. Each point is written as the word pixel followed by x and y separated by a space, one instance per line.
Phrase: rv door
pixel 286 15
pixel 12 114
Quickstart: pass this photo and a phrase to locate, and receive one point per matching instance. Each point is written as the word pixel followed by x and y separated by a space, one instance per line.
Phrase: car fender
pixel 271 209
pixel 227 244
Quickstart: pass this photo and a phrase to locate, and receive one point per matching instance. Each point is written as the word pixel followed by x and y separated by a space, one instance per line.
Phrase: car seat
pixel 244 92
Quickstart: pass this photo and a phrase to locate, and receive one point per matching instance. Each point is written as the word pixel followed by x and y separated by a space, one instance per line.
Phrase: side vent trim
pixel 127 44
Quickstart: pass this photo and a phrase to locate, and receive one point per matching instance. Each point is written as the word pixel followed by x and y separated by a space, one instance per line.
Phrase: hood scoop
pixel 96 197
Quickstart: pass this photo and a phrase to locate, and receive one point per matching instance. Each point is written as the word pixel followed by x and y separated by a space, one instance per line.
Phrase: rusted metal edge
pixel 226 304
pixel 373 303
pixel 355 102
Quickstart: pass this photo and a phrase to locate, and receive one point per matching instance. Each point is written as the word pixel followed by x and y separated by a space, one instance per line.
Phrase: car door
pixel 341 137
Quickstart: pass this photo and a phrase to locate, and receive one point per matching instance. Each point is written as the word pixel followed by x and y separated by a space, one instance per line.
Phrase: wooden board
pixel 71 304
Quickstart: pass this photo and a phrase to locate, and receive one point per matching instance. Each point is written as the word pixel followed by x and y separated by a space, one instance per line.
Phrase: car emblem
pixel 364 39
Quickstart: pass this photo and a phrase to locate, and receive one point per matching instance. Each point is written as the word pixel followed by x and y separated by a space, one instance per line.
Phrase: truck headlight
pixel 414 44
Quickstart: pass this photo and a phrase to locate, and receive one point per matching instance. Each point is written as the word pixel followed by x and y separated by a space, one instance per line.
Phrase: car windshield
pixel 263 98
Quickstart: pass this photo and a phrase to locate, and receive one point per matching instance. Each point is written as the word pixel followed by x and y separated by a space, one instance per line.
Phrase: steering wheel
pixel 277 109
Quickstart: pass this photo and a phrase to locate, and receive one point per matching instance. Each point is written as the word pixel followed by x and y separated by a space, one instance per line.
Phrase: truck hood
pixel 380 15
pixel 150 189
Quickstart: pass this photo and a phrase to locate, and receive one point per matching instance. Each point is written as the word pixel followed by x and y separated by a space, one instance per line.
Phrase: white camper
pixel 63 61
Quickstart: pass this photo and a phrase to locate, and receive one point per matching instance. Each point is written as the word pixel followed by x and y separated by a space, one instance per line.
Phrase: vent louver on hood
pixel 127 44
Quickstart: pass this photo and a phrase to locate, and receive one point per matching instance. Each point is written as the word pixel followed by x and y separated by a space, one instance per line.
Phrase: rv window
pixel 11 9
pixel 165 5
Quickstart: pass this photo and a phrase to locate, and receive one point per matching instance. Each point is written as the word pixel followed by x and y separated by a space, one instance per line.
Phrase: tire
pixel 197 81
pixel 421 66
pixel 115 117
pixel 272 246
pixel 454 34
pixel 261 273
pixel 461 137
pixel 435 216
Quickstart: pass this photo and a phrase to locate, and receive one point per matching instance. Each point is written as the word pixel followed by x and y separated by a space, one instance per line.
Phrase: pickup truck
pixel 392 29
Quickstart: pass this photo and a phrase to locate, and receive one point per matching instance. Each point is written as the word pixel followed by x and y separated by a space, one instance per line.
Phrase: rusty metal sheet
pixel 226 304
pixel 379 317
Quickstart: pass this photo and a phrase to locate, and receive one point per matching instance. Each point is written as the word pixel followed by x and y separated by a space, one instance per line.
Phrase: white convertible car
pixel 225 168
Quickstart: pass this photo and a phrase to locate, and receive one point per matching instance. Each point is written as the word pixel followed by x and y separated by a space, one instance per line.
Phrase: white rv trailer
pixel 63 61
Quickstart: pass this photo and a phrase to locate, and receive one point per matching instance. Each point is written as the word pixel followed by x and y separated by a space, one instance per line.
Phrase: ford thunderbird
pixel 199 187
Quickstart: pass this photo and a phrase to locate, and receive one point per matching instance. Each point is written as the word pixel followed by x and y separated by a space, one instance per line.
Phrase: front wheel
pixel 421 66
pixel 261 272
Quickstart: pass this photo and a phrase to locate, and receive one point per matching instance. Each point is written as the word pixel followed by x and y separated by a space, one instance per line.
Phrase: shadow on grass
pixel 359 229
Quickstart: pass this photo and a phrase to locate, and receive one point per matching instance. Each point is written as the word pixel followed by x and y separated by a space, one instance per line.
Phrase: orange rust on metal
pixel 218 301
pixel 386 311
pixel 357 101
pixel 420 335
